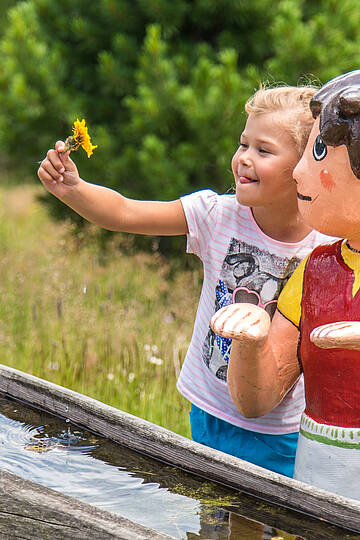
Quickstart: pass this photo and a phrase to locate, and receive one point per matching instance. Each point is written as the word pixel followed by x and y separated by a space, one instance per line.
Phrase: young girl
pixel 249 242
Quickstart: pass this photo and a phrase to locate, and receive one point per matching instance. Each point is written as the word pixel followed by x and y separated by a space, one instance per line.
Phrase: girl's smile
pixel 246 180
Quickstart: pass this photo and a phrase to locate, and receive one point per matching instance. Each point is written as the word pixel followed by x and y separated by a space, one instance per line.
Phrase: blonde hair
pixel 293 102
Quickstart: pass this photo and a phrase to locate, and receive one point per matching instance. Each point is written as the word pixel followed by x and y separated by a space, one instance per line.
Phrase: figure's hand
pixel 242 322
pixel 343 335
pixel 57 171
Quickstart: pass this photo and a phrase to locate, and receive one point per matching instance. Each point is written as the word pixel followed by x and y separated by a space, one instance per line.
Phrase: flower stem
pixel 71 144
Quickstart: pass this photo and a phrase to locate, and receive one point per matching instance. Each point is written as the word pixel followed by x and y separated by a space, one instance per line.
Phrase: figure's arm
pixel 104 206
pixel 263 362
pixel 342 334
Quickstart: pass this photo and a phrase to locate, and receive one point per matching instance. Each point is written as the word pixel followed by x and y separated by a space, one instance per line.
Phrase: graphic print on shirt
pixel 251 275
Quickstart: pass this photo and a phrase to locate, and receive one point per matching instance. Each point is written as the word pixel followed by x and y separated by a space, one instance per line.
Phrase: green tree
pixel 5 5
pixel 113 61
pixel 319 39
pixel 162 84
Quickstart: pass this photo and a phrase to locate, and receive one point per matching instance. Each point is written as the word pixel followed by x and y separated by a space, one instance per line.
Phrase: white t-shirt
pixel 241 264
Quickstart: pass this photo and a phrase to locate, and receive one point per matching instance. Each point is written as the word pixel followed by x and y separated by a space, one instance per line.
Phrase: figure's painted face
pixel 328 190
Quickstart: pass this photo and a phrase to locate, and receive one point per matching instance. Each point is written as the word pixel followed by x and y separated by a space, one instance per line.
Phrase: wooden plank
pixel 181 452
pixel 28 511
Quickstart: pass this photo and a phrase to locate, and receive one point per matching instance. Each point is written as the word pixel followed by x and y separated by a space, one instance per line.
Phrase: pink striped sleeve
pixel 201 208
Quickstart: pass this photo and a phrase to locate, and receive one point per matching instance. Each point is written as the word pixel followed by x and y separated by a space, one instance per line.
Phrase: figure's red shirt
pixel 332 376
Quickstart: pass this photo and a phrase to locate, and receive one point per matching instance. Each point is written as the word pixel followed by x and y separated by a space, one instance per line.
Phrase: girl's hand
pixel 343 335
pixel 242 322
pixel 57 171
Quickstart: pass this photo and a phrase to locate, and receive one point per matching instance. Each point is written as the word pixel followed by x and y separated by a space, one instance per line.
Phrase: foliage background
pixel 161 83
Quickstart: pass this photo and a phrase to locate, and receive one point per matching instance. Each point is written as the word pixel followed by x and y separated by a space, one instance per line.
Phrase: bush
pixel 161 84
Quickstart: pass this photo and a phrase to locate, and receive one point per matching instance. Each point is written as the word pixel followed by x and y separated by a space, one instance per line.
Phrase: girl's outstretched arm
pixel 106 207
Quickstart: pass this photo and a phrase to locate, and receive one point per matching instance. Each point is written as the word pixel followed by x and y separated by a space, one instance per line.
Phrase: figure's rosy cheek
pixel 327 180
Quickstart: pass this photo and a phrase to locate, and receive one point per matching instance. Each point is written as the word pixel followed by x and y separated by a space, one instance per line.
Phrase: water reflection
pixel 238 528
pixel 65 463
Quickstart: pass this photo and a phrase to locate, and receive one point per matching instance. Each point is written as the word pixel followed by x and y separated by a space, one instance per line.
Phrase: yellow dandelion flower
pixel 81 138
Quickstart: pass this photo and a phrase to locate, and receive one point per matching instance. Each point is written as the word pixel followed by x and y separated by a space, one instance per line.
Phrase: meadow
pixel 112 323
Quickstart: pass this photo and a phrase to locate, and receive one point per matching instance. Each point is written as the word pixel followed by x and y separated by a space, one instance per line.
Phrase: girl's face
pixel 328 190
pixel 264 162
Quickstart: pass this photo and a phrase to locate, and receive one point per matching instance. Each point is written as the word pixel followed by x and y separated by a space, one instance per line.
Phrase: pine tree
pixel 162 84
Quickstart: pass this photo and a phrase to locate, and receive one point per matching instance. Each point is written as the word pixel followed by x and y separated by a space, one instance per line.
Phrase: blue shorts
pixel 274 452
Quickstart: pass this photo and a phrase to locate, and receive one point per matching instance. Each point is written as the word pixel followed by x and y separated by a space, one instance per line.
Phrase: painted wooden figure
pixel 316 328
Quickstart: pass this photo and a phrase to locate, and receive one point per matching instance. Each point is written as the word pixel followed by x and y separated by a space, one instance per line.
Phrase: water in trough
pixel 55 453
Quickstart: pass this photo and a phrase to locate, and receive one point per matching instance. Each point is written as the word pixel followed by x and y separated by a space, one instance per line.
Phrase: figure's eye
pixel 319 149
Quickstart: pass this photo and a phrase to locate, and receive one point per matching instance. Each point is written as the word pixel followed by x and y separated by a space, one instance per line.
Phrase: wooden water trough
pixel 28 510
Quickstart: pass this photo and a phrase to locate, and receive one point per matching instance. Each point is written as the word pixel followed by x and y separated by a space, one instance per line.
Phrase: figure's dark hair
pixel 338 104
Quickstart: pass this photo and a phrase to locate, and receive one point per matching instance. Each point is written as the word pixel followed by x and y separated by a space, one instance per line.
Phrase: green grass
pixel 110 325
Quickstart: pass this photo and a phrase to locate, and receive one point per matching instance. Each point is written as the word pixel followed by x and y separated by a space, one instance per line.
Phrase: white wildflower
pixel 156 360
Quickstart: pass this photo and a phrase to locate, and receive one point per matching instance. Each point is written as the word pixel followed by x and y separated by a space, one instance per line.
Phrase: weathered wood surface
pixel 181 452
pixel 28 511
